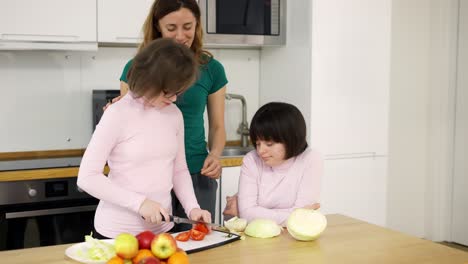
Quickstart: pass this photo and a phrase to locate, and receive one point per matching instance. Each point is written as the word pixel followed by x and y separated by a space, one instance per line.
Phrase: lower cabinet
pixel 227 186
pixel 356 187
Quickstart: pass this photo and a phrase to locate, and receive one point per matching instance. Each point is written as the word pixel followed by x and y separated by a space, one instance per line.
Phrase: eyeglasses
pixel 169 95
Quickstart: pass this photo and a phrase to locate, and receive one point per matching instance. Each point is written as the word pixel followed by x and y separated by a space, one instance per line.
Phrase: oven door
pixel 47 223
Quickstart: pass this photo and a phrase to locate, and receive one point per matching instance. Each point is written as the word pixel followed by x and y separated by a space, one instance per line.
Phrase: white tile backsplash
pixel 46 95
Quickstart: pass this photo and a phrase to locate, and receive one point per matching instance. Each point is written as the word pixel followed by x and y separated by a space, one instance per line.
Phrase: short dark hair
pixel 162 66
pixel 280 123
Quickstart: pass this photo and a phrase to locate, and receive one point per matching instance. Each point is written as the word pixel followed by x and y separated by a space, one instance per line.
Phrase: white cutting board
pixel 211 240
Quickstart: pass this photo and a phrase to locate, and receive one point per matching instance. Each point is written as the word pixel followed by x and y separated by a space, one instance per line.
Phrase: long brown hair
pixel 163 66
pixel 160 9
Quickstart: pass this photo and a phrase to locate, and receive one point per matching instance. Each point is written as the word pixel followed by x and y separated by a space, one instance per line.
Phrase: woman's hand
pixel 211 167
pixel 314 206
pixel 113 101
pixel 231 206
pixel 153 212
pixel 198 214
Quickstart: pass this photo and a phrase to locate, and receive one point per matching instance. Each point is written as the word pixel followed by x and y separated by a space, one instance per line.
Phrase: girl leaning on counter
pixel 141 137
pixel 282 173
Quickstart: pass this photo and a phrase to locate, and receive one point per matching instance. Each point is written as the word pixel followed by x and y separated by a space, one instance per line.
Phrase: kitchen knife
pixel 181 220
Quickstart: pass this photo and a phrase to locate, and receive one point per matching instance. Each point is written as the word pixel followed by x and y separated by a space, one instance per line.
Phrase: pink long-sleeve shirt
pixel 144 148
pixel 274 192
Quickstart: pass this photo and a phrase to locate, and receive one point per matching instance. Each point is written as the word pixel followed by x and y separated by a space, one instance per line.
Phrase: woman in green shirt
pixel 180 20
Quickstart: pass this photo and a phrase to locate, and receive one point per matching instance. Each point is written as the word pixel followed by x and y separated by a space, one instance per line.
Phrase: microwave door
pixel 243 17
pixel 244 22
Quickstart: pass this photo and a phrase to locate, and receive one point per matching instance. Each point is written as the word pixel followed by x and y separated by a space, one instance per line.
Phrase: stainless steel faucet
pixel 243 128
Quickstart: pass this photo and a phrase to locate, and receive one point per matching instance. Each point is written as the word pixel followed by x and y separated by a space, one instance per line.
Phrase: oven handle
pixel 65 210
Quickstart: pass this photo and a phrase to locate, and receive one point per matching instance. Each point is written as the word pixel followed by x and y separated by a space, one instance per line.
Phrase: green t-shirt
pixel 192 104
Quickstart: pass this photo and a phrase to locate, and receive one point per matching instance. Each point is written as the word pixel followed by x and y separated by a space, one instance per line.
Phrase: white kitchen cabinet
pixel 355 187
pixel 121 21
pixel 229 185
pixel 350 79
pixel 48 20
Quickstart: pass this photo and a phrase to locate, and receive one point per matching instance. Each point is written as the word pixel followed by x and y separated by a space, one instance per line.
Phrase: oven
pixel 43 212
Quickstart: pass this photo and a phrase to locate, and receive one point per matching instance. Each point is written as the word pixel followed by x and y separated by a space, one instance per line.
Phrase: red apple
pixel 126 246
pixel 163 245
pixel 150 260
pixel 144 239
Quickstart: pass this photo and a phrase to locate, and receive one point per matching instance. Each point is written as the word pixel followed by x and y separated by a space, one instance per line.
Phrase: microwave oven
pixel 244 22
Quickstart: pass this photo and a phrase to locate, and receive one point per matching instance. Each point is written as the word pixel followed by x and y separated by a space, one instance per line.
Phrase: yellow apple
pixel 126 246
pixel 163 245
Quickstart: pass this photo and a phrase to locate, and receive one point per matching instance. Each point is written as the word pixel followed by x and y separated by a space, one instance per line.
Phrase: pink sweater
pixel 274 192
pixel 144 147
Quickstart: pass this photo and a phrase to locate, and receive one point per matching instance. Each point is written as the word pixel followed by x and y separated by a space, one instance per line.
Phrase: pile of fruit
pixel 147 248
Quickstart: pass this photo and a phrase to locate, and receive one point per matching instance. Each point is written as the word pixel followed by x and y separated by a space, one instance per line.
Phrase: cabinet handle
pixel 39 37
pixel 128 38
pixel 356 155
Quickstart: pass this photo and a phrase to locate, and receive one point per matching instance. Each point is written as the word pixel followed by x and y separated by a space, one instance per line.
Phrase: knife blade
pixel 181 220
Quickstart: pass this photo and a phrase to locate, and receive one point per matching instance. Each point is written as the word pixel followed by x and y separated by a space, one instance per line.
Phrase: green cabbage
pixel 263 228
pixel 306 224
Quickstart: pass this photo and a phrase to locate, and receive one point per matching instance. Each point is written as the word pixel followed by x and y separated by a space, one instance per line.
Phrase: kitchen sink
pixel 236 151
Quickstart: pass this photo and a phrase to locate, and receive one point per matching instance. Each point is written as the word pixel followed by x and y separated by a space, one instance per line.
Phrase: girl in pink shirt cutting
pixel 283 173
pixel 141 137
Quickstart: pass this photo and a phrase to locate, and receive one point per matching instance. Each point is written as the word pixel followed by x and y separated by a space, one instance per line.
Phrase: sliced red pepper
pixel 202 228
pixel 183 236
pixel 197 235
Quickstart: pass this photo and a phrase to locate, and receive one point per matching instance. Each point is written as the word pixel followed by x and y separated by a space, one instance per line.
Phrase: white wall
pixel 459 230
pixel 421 116
pixel 421 172
pixel 408 116
pixel 285 71
pixel 243 71
pixel 46 95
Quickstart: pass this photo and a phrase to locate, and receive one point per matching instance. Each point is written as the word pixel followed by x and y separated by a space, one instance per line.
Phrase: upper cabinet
pixel 120 21
pixel 48 21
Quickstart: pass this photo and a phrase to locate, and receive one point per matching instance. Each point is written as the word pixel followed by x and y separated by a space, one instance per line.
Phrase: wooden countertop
pixel 23 175
pixel 346 240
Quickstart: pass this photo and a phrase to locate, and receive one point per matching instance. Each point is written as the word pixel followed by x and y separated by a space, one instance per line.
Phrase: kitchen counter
pixel 346 240
pixel 51 173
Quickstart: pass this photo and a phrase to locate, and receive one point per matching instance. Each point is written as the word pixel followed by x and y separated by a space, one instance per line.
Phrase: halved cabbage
pixel 306 224
pixel 263 228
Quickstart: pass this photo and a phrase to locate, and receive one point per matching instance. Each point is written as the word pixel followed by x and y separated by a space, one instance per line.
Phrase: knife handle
pixel 171 218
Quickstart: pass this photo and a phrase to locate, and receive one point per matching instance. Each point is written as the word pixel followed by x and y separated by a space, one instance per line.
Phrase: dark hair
pixel 162 66
pixel 280 123
pixel 162 8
